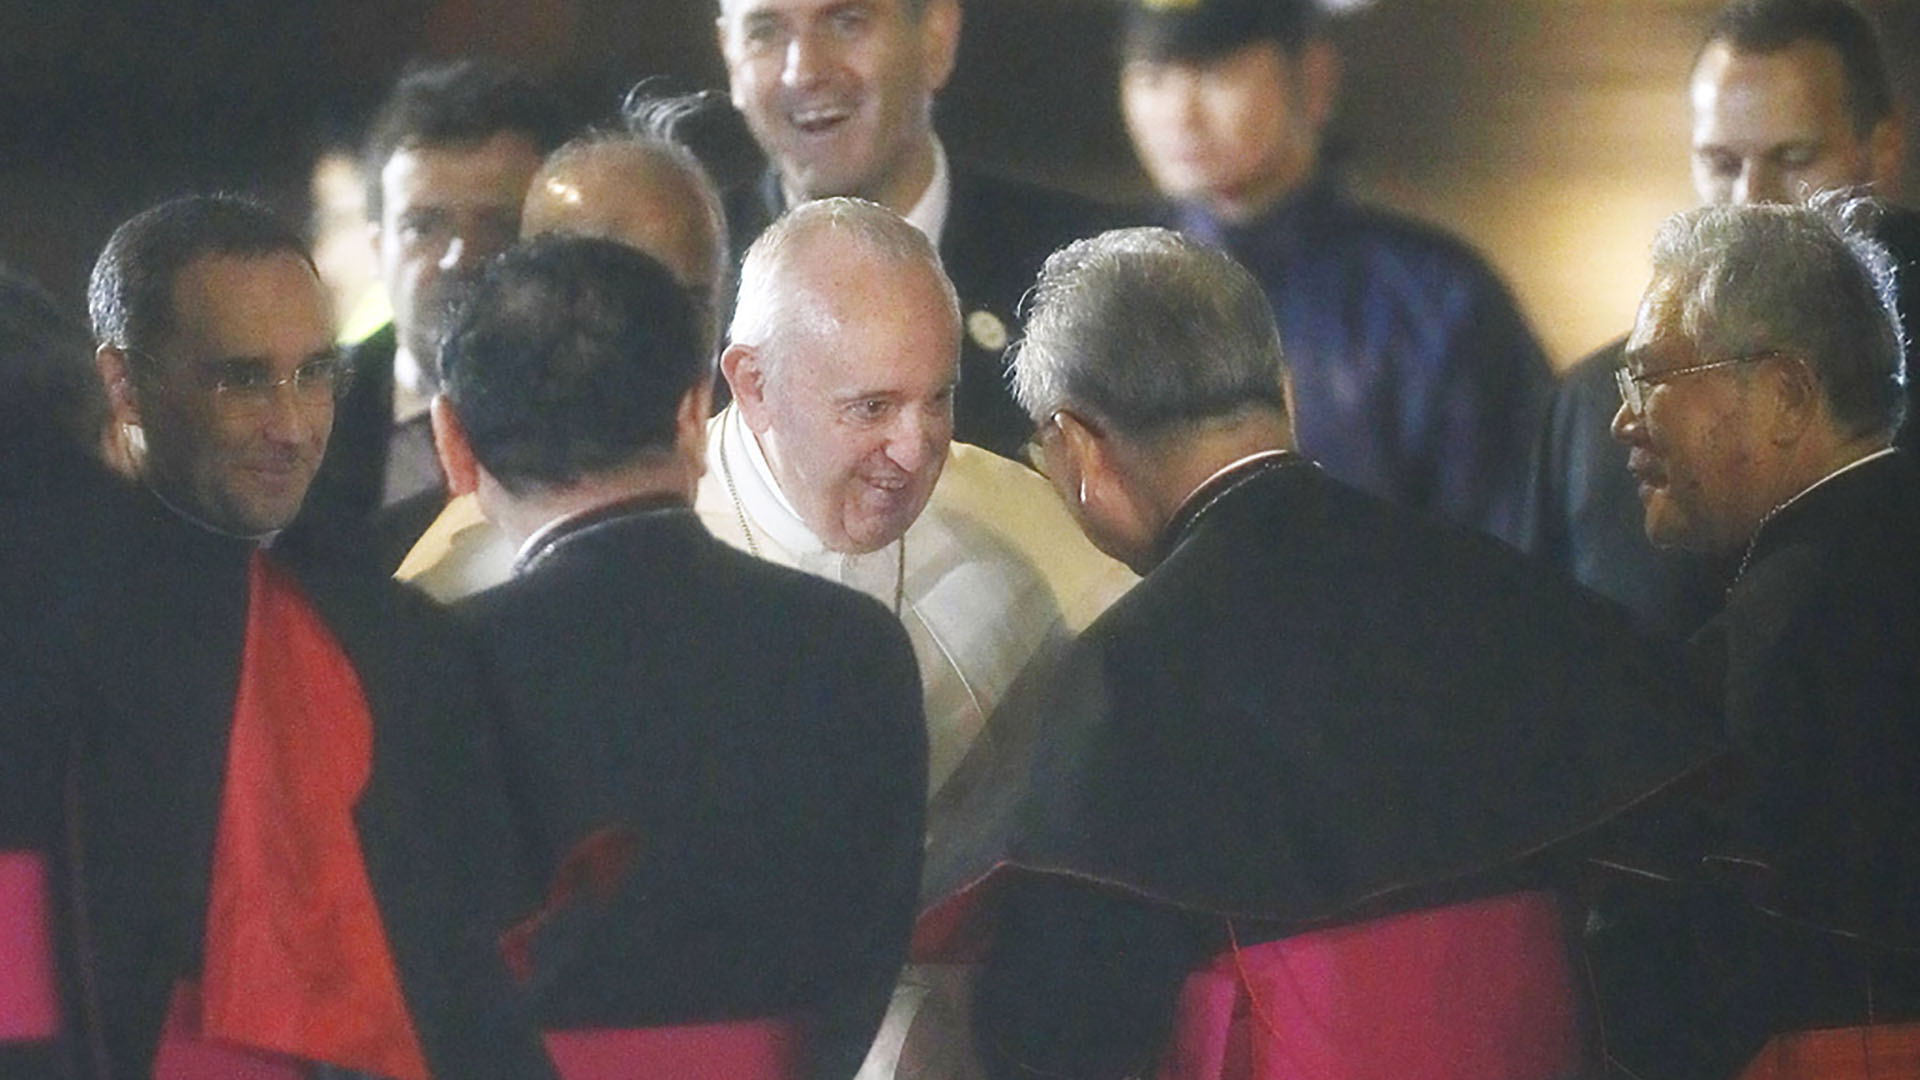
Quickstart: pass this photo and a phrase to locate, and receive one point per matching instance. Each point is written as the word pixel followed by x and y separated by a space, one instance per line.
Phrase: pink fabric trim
pixel 742 1050
pixel 29 1003
pixel 185 1055
pixel 1475 991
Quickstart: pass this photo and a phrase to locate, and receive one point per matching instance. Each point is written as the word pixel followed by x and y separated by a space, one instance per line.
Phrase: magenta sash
pixel 741 1050
pixel 1474 991
pixel 187 1055
pixel 29 1002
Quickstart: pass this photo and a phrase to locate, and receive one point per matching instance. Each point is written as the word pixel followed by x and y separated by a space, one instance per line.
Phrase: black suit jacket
pixel 145 756
pixel 997 235
pixel 1318 707
pixel 344 509
pixel 759 731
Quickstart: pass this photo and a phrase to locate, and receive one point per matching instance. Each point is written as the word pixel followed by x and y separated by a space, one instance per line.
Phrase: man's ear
pixel 746 375
pixel 456 452
pixel 1090 456
pixel 123 400
pixel 939 41
pixel 690 429
pixel 1887 154
pixel 1800 398
pixel 1320 71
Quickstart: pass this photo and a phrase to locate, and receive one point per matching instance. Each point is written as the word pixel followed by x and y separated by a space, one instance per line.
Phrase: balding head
pixel 646 193
pixel 844 354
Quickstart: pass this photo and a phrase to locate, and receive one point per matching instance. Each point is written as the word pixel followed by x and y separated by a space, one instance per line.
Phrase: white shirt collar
pixel 929 214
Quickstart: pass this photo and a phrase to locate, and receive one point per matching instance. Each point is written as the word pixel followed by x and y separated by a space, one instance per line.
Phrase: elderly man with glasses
pixel 1761 390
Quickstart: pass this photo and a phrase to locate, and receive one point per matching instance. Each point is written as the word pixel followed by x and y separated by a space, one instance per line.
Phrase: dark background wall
pixel 1550 132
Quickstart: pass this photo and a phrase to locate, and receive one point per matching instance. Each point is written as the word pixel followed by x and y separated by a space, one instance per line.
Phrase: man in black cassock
pixel 1316 709
pixel 281 840
pixel 1762 389
pixel 737 747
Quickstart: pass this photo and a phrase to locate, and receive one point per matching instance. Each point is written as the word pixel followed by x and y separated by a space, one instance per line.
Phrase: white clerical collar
pixel 412 391
pixel 929 213
pixel 1848 467
pixel 766 506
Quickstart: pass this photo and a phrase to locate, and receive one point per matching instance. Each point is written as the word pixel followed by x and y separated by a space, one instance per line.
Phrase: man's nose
pixel 457 253
pixel 806 61
pixel 1758 183
pixel 920 438
pixel 1626 424
pixel 292 419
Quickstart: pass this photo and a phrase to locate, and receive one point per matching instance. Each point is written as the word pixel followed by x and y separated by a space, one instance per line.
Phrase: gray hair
pixel 758 314
pixel 1146 329
pixel 1809 280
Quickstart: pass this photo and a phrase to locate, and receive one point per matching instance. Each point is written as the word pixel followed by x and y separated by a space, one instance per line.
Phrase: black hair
pixel 570 356
pixel 459 101
pixel 1767 26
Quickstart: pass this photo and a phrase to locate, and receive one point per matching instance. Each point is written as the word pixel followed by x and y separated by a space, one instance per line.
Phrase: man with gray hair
pixel 1315 708
pixel 1760 393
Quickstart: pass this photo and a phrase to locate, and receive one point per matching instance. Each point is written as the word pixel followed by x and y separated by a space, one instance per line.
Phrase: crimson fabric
pixel 1473 991
pixel 1858 1053
pixel 297 960
pixel 29 1003
pixel 742 1050
pixel 186 1054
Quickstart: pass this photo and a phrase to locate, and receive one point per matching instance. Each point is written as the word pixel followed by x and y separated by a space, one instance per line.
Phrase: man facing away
pixel 753 732
pixel 1417 378
pixel 448 157
pixel 282 828
pixel 839 94
pixel 1789 98
pixel 1761 391
pixel 1322 735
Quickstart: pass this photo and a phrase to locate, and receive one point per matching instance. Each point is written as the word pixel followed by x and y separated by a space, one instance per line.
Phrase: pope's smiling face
pixel 855 408
pixel 839 93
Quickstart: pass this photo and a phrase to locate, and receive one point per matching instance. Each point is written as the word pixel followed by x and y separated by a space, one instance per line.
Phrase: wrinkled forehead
pixel 843 307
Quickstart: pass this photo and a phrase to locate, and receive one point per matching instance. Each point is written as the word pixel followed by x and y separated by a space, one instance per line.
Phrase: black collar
pixel 550 538
pixel 1217 487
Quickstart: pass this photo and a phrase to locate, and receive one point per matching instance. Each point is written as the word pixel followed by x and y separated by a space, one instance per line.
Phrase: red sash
pixel 1475 991
pixel 29 1003
pixel 297 961
pixel 742 1050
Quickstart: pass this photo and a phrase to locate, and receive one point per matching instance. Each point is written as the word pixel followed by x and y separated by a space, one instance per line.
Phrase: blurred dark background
pixel 1552 133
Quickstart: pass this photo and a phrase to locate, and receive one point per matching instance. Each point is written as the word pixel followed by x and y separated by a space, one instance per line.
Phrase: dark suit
pixel 347 508
pixel 145 761
pixel 759 731
pixel 1318 707
pixel 996 236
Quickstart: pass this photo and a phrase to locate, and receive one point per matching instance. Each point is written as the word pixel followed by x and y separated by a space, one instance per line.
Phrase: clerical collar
pixel 1224 481
pixel 929 213
pixel 1753 541
pixel 553 534
pixel 762 502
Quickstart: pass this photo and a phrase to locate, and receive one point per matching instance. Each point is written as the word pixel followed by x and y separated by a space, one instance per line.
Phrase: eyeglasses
pixel 244 387
pixel 1634 388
